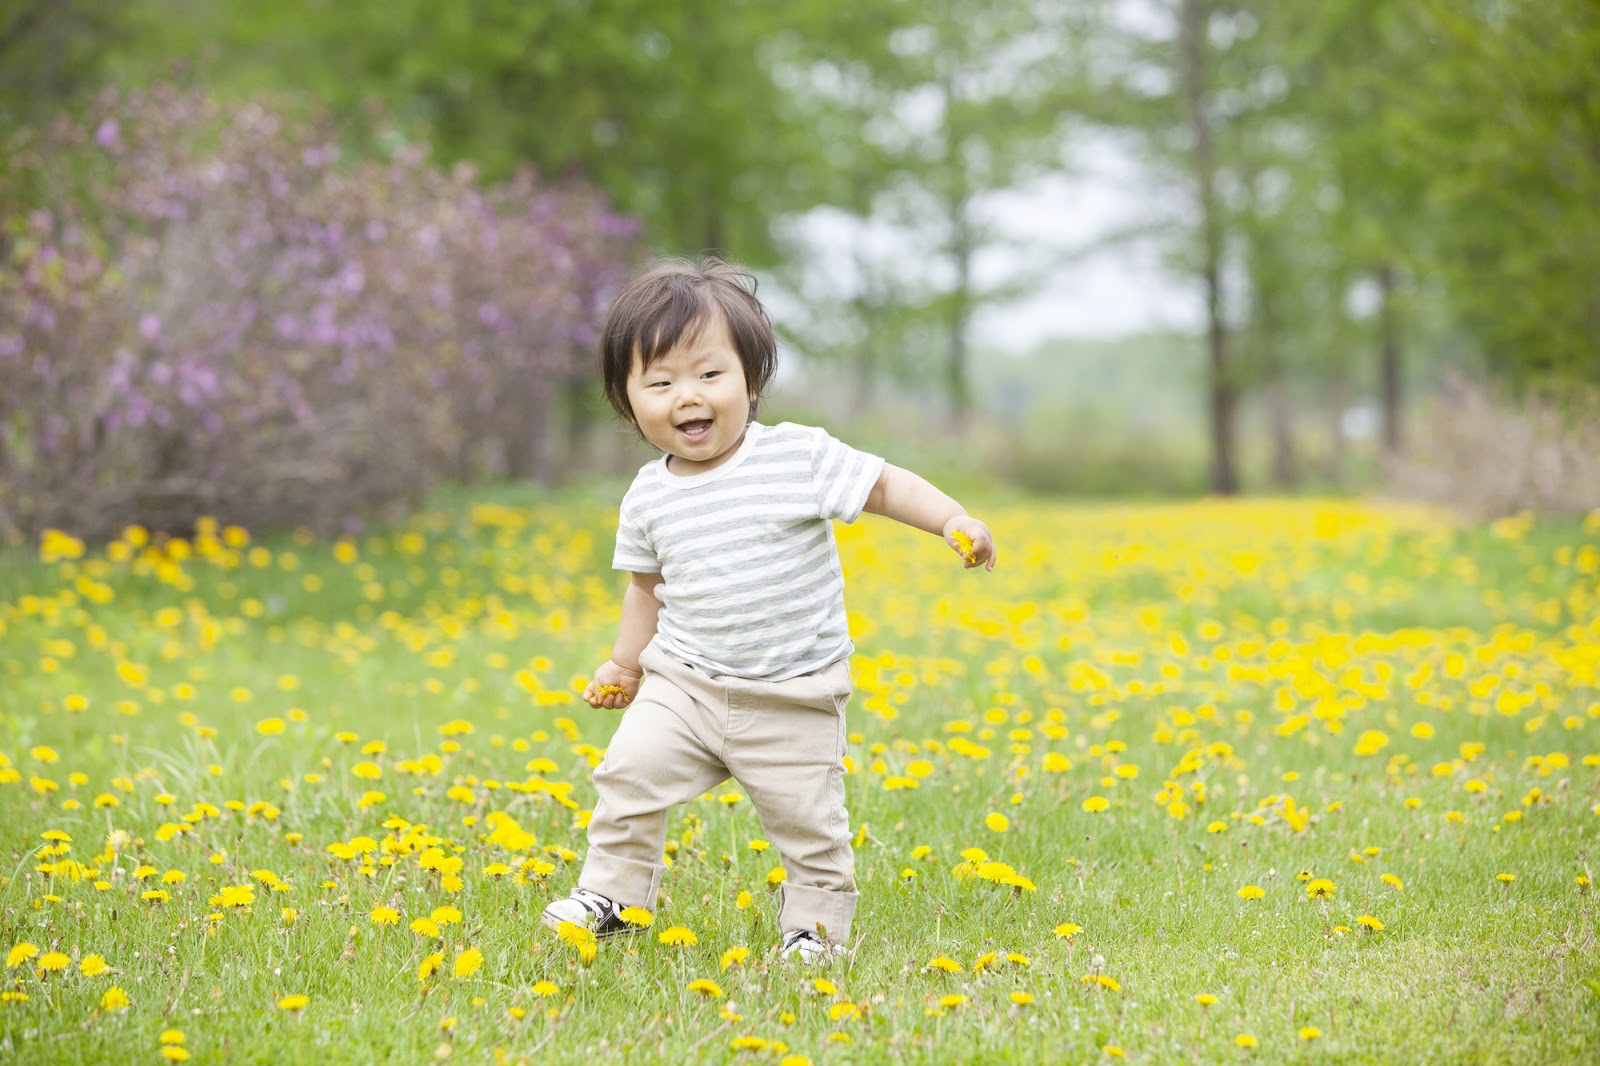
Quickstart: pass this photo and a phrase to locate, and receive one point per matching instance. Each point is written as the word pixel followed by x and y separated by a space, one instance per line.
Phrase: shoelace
pixel 592 902
pixel 795 936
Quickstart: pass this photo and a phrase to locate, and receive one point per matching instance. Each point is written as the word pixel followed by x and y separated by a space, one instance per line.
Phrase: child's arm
pixel 906 497
pixel 616 681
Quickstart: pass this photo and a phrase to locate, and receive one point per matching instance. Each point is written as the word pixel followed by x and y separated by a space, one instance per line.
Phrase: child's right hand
pixel 612 686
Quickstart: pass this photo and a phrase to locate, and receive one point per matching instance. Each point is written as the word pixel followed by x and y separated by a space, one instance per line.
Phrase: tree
pixel 967 101
pixel 674 108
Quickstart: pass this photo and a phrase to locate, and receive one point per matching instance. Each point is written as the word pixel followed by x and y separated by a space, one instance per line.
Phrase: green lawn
pixel 225 766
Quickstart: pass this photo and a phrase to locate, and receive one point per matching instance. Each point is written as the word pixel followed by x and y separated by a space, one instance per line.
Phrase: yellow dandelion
pixel 734 956
pixel 1205 999
pixel 544 989
pixel 294 1002
pixel 21 953
pixel 703 987
pixel 636 916
pixel 468 963
pixel 1021 999
pixel 1252 892
pixel 115 999
pixel 384 916
pixel 429 964
pixel 93 966
pixel 943 964
pixel 1066 930
pixel 1096 804
pixel 678 936
pixel 1245 1040
pixel 1320 888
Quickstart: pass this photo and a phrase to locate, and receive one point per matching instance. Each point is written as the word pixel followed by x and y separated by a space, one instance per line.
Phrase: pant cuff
pixel 826 912
pixel 626 882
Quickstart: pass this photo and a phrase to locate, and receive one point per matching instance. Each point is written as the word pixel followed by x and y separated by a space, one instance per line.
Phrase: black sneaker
pixel 590 910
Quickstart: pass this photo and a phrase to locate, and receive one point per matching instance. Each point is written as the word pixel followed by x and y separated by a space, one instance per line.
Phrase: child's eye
pixel 711 374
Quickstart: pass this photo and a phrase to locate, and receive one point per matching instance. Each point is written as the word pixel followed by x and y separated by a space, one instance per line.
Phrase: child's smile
pixel 693 402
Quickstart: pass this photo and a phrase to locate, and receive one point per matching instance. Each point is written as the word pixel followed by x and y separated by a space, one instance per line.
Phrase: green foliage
pixel 680 111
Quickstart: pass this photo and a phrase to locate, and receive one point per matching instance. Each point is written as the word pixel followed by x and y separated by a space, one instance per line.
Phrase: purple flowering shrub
pixel 203 311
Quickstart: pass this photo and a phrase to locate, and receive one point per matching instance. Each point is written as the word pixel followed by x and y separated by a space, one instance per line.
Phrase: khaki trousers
pixel 686 732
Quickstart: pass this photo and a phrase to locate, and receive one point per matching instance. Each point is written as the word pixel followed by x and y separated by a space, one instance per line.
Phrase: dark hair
pixel 673 302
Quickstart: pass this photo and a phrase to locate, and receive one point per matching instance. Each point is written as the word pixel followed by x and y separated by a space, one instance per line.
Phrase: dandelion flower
pixel 943 964
pixel 93 966
pixel 170 1036
pixel 1205 999
pixel 468 963
pixel 1320 888
pixel 1096 804
pixel 1066 930
pixel 544 989
pixel 636 916
pixel 429 964
pixel 1113 1050
pixel 997 822
pixel 1310 1032
pixel 1245 1040
pixel 703 987
pixel 1021 999
pixel 115 999
pixel 963 545
pixel 1505 879
pixel 1370 923
pixel 174 1053
pixel 677 935
pixel 384 916
pixel 53 962
pixel 294 1002
pixel 824 986
pixel 21 953
pixel 1252 892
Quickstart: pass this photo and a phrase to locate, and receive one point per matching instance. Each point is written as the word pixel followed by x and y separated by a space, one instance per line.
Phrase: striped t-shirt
pixel 750 577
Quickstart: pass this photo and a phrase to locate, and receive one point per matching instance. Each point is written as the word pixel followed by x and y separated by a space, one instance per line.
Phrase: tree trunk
pixel 960 317
pixel 1223 399
pixel 1391 388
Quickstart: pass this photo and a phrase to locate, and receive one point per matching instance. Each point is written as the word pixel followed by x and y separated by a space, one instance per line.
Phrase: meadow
pixel 1269 781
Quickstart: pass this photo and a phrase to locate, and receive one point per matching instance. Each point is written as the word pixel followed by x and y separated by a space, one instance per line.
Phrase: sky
pixel 1087 286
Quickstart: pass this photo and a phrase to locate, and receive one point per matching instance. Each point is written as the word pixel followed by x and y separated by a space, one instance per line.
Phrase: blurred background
pixel 302 262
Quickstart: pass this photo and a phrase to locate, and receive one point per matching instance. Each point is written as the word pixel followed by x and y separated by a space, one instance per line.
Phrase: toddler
pixel 732 656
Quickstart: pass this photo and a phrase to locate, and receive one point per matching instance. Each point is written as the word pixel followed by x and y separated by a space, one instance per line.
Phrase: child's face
pixel 693 403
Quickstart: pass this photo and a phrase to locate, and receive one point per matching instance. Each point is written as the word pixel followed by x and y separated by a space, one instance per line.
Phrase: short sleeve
pixel 634 551
pixel 843 476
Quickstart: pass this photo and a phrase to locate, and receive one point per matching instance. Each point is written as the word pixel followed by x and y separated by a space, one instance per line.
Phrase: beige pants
pixel 686 732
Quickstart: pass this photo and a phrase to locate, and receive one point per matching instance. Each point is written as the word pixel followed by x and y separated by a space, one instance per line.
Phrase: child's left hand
pixel 971 540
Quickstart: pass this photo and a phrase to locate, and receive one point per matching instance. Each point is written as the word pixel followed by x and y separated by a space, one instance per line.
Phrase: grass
pixel 1424 693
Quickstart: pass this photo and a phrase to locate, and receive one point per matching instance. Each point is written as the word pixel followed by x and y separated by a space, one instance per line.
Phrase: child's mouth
pixel 697 430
